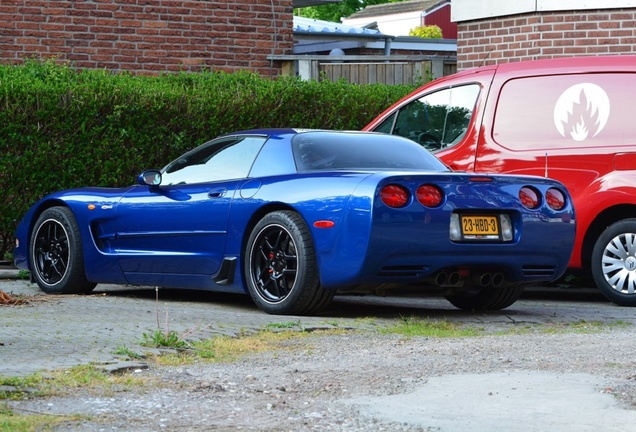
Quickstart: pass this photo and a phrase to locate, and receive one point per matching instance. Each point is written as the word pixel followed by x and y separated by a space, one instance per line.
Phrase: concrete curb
pixel 9 274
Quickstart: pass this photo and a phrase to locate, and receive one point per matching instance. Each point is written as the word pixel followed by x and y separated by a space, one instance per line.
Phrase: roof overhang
pixel 306 3
pixel 308 28
pixel 312 35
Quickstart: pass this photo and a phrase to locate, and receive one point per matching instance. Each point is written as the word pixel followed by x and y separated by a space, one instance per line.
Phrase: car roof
pixel 270 132
pixel 605 63
pixel 282 132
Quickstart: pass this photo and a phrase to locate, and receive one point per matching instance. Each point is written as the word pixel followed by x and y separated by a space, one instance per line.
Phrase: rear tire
pixel 487 298
pixel 614 263
pixel 281 270
pixel 56 255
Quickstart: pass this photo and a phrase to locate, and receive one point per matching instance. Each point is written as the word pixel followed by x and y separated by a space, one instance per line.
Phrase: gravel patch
pixel 362 381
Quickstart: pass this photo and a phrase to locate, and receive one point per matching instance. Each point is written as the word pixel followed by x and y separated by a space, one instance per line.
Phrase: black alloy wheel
pixel 56 254
pixel 281 267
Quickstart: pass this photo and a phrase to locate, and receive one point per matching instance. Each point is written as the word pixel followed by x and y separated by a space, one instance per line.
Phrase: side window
pixel 224 159
pixel 437 120
pixel 387 125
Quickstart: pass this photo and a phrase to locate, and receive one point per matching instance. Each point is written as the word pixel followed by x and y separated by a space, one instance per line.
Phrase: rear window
pixel 566 111
pixel 360 151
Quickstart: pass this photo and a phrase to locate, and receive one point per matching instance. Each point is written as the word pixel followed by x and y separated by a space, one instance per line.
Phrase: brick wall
pixel 149 36
pixel 546 35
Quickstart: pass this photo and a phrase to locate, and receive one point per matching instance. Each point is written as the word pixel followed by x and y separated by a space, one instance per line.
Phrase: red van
pixel 572 119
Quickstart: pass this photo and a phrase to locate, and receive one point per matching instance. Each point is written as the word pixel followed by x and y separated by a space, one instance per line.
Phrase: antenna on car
pixel 486 58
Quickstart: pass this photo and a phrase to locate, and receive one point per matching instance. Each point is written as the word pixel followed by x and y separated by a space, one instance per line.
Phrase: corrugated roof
pixel 397 8
pixel 308 26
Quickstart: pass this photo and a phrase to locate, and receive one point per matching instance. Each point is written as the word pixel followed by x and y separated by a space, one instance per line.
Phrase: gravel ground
pixel 366 381
pixel 361 380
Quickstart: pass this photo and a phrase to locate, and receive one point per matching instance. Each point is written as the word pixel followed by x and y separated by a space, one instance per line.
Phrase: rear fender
pixel 607 200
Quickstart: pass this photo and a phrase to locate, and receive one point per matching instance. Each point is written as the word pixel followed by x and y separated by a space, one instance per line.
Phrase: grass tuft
pixel 410 326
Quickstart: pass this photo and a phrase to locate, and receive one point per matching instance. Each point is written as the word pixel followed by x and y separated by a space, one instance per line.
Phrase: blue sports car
pixel 294 216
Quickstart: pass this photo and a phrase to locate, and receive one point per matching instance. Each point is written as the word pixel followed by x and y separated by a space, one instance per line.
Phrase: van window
pixel 437 120
pixel 566 111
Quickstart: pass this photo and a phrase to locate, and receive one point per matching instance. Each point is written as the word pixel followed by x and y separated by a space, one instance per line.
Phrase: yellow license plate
pixel 478 226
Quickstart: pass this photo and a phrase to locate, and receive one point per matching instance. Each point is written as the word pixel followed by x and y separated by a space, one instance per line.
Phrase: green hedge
pixel 63 128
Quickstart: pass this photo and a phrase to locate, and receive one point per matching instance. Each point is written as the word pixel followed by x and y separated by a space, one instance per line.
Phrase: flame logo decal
pixel 581 111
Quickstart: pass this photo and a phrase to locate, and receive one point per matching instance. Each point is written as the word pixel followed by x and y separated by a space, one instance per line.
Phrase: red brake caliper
pixel 270 270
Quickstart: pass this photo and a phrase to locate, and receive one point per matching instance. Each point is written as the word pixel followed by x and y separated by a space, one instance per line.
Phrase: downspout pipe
pixel 387 45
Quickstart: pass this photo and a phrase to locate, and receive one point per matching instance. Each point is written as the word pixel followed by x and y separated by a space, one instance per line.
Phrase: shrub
pixel 64 128
pixel 427 32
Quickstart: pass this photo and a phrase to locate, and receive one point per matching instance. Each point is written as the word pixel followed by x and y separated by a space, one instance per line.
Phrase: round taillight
pixel 394 196
pixel 429 195
pixel 555 199
pixel 529 197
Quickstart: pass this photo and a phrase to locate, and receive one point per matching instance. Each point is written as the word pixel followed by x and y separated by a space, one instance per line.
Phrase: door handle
pixel 217 193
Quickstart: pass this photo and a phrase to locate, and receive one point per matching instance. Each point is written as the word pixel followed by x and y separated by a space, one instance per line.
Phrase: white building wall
pixel 468 10
pixel 394 25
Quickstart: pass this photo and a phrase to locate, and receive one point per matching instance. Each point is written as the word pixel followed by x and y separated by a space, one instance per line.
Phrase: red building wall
pixel 149 36
pixel 546 35
pixel 442 18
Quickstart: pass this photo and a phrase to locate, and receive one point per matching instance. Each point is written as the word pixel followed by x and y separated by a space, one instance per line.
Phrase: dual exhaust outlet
pixel 444 279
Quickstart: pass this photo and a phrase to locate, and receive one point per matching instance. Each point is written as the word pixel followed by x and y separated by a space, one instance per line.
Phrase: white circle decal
pixel 581 111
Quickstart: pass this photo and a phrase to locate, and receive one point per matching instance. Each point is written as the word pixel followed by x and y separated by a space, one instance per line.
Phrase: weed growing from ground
pixel 125 351
pixel 285 325
pixel 161 339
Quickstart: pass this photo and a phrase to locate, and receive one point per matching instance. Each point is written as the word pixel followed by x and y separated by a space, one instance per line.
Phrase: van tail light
pixel 429 195
pixel 555 199
pixel 529 197
pixel 394 196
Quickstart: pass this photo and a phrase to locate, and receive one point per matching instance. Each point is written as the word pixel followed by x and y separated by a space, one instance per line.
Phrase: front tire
pixel 614 263
pixel 281 270
pixel 56 255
